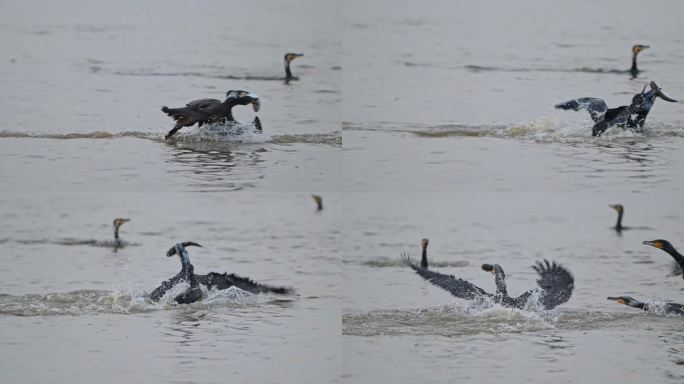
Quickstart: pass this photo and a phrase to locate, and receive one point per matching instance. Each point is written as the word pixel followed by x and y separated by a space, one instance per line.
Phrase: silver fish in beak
pixel 659 92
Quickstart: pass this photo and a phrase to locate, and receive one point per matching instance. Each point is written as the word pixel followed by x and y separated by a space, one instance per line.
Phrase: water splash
pixel 546 129
pixel 211 134
pixel 118 301
pixel 472 318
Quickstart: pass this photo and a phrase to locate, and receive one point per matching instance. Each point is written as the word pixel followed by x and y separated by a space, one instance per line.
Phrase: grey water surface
pixel 81 142
pixel 455 139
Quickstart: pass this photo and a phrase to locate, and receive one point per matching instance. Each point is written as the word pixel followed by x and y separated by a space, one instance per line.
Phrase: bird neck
pixel 423 259
pixel 288 73
pixel 634 63
pixel 116 234
pixel 618 225
pixel 676 255
pixel 228 109
pixel 500 281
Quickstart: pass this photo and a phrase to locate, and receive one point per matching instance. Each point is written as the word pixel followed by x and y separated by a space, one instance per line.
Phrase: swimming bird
pixel 620 211
pixel 667 247
pixel 203 111
pixel 668 308
pixel 319 202
pixel 635 51
pixel 423 258
pixel 211 280
pixel 118 222
pixel 632 116
pixel 555 285
pixel 186 274
pixel 288 59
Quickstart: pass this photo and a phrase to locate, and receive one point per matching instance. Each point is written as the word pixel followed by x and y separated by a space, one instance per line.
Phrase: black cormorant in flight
pixel 668 308
pixel 556 284
pixel 632 116
pixel 667 247
pixel 205 111
pixel 211 280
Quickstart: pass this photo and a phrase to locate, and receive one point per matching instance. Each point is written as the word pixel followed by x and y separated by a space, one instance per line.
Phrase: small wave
pixel 73 242
pixel 246 134
pixel 231 132
pixel 100 301
pixel 384 262
pixel 207 75
pixel 471 319
pixel 484 68
pixel 333 139
pixel 545 129
pixel 79 135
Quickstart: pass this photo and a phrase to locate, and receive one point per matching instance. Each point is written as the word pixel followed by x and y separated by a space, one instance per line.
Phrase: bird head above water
pixel 649 97
pixel 118 222
pixel 660 244
pixel 291 56
pixel 288 58
pixel 617 207
pixel 238 97
pixel 494 269
pixel 319 202
pixel 424 243
pixel 179 249
pixel 638 48
pixel 659 92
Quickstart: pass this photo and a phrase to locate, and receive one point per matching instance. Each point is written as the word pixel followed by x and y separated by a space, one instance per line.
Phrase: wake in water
pixel 68 241
pixel 546 129
pixel 383 262
pixel 99 301
pixel 473 319
pixel 246 134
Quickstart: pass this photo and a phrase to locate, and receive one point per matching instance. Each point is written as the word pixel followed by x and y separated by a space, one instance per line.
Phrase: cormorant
pixel 288 58
pixel 118 222
pixel 667 247
pixel 668 308
pixel 423 258
pixel 203 111
pixel 620 211
pixel 556 284
pixel 635 51
pixel 186 274
pixel 632 116
pixel 319 202
pixel 211 280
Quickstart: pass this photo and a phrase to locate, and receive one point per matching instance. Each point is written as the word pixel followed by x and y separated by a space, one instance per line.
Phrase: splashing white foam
pixel 233 132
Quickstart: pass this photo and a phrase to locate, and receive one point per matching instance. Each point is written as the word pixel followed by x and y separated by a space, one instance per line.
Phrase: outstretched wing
pixel 596 107
pixel 225 281
pixel 556 283
pixel 457 287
